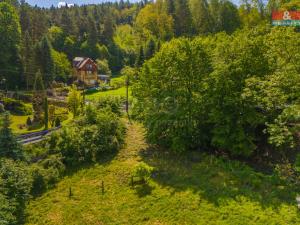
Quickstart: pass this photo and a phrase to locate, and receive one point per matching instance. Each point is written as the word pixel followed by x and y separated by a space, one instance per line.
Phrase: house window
pixel 89 67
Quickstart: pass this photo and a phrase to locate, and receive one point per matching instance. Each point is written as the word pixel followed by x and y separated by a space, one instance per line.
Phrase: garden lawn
pixel 192 189
pixel 17 121
pixel 121 92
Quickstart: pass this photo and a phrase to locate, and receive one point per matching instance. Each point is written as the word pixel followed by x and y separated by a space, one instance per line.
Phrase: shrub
pixel 25 97
pixel 57 122
pixel 9 147
pixel 46 173
pixel 89 138
pixel 287 172
pixel 193 94
pixel 15 185
pixel 38 183
pixel 297 163
pixel 28 121
pixel 2 110
pixel 113 103
pixel 118 82
pixel 91 91
pixel 17 106
pixel 142 171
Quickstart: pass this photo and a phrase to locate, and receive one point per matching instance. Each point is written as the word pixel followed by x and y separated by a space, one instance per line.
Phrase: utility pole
pixel 3 82
pixel 127 95
pixel 83 93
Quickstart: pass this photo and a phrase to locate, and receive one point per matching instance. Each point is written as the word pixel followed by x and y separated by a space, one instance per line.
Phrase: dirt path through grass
pixel 188 190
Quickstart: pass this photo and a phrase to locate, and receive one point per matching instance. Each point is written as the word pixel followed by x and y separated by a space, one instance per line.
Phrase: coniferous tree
pixel 46 113
pixel 38 98
pixel 224 16
pixel 27 53
pixel 150 49
pixel 74 101
pixel 24 16
pixel 9 146
pixel 140 58
pixel 170 7
pixel 10 36
pixel 67 23
pixel 202 20
pixel 229 17
pixel 108 29
pixel 93 32
pixel 38 25
pixel 182 18
pixel 44 60
pixel 115 58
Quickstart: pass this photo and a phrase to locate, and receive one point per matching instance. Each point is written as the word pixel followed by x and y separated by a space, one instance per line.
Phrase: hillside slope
pixel 197 189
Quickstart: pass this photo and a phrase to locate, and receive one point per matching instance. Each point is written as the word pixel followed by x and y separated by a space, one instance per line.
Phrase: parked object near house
pixel 104 79
pixel 85 70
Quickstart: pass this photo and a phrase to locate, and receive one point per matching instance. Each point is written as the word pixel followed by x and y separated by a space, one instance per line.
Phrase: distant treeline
pixel 115 34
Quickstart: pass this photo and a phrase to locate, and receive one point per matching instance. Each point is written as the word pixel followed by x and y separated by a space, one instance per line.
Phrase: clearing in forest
pixel 192 189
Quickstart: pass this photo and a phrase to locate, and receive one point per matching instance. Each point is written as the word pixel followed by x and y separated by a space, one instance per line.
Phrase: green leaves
pixel 15 186
pixel 173 76
pixel 9 147
pixel 74 101
pixel 223 91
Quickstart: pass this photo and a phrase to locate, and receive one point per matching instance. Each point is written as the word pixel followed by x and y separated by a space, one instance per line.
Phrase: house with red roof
pixel 85 70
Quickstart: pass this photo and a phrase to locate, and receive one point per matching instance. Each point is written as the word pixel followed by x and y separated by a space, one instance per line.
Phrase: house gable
pixel 84 64
pixel 85 69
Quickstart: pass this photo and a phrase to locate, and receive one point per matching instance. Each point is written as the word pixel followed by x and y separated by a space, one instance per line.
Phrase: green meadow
pixel 193 189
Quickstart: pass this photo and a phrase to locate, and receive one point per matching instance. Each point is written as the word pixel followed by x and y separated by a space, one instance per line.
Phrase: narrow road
pixel 35 137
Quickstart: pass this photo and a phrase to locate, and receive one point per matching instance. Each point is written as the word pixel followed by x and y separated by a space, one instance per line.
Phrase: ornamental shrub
pixel 142 171
pixel 89 137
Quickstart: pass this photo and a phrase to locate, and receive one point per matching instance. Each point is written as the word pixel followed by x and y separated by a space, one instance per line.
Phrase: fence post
pixel 102 187
pixel 70 192
pixel 131 181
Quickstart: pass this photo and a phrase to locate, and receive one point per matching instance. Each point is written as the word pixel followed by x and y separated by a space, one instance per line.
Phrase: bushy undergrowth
pixel 17 106
pixel 228 92
pixel 112 103
pixel 142 171
pixel 89 138
pixel 118 82
pixel 15 187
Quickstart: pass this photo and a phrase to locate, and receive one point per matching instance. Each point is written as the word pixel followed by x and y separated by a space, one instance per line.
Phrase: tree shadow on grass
pixel 143 190
pixel 217 179
pixel 104 160
pixel 43 186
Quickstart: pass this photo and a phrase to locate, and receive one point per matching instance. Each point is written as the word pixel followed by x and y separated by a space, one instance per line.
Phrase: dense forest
pixel 114 34
pixel 202 76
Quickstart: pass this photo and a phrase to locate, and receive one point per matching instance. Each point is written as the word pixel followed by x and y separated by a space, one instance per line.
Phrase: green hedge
pixel 17 107
pixel 92 135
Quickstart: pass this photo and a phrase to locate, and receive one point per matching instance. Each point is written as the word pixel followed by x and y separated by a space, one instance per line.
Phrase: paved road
pixel 35 137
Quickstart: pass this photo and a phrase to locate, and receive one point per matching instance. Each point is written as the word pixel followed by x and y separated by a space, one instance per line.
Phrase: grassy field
pixel 194 189
pixel 118 92
pixel 16 121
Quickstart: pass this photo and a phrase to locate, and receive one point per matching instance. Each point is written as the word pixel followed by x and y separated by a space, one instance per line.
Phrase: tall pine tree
pixel 10 37
pixel 182 18
pixel 9 147
pixel 150 49
pixel 140 58
pixel 202 20
pixel 27 53
pixel 45 61
pixel 38 98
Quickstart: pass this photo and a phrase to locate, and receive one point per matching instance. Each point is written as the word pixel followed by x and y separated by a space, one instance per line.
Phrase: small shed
pixel 104 79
